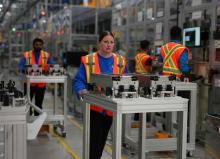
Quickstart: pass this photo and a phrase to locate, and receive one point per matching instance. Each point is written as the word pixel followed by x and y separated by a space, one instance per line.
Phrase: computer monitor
pixel 191 37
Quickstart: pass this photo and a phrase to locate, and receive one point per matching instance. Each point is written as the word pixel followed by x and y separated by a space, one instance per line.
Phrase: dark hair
pixel 105 33
pixel 38 40
pixel 144 44
pixel 176 33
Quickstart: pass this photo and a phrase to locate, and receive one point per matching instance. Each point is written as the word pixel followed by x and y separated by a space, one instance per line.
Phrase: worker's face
pixel 107 44
pixel 38 46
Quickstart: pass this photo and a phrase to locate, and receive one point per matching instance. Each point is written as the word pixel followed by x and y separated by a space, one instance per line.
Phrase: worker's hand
pixel 82 93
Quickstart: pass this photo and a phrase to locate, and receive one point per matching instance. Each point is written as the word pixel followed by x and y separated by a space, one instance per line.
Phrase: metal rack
pixel 13 133
pixel 56 118
pixel 121 106
pixel 169 143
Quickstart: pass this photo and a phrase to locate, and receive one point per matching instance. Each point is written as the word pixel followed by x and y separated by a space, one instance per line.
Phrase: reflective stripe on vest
pixel 91 65
pixel 139 58
pixel 171 53
pixel 30 60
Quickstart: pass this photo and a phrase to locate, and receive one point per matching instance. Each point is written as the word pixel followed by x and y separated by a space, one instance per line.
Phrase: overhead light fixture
pixel 1 5
pixel 13 6
pixel 13 29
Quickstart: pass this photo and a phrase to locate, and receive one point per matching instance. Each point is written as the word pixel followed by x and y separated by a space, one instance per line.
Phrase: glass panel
pixel 204 22
pixel 83 20
pixel 218 18
pixel 196 2
pixel 172 23
pixel 160 5
pixel 120 14
pixel 159 31
pixel 140 34
pixel 132 43
pixel 132 34
pixel 124 16
pixel 104 20
pixel 149 14
pixel 132 12
pixel 150 32
pixel 173 7
pixel 115 17
pixel 140 11
pixel 217 54
pixel 120 41
pixel 200 18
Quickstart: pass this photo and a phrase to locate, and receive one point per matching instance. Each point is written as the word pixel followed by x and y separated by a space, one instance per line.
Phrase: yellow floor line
pixel 67 147
pixel 107 148
pixel 211 152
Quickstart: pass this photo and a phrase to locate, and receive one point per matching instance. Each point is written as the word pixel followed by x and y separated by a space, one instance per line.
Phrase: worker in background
pixel 32 57
pixel 143 64
pixel 122 49
pixel 174 55
pixel 143 61
pixel 107 62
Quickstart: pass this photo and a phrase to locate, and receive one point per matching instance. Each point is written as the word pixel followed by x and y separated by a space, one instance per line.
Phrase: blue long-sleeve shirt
pixel 22 61
pixel 79 81
pixel 183 60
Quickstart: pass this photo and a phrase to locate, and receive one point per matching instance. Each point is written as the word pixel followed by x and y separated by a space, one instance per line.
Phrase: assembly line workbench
pixel 170 143
pixel 13 132
pixel 55 117
pixel 192 106
pixel 120 106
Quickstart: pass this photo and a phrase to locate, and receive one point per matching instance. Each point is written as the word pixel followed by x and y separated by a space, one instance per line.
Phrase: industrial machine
pixel 115 86
pixel 33 70
pixel 152 86
pixel 56 70
pixel 162 126
pixel 10 95
pixel 37 70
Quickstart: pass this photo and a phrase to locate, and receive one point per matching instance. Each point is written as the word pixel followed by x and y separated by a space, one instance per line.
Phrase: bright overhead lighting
pixel 1 5
pixel 14 6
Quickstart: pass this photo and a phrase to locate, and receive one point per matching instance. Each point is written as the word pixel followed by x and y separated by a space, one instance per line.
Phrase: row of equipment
pixel 133 85
pixel 37 70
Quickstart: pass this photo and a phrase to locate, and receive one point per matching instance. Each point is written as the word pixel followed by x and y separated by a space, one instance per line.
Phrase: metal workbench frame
pixel 136 105
pixel 14 129
pixel 52 79
pixel 170 143
pixel 192 87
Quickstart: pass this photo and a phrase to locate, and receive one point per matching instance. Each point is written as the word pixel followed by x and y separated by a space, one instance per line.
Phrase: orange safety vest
pixel 140 60
pixel 171 53
pixel 91 64
pixel 30 60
